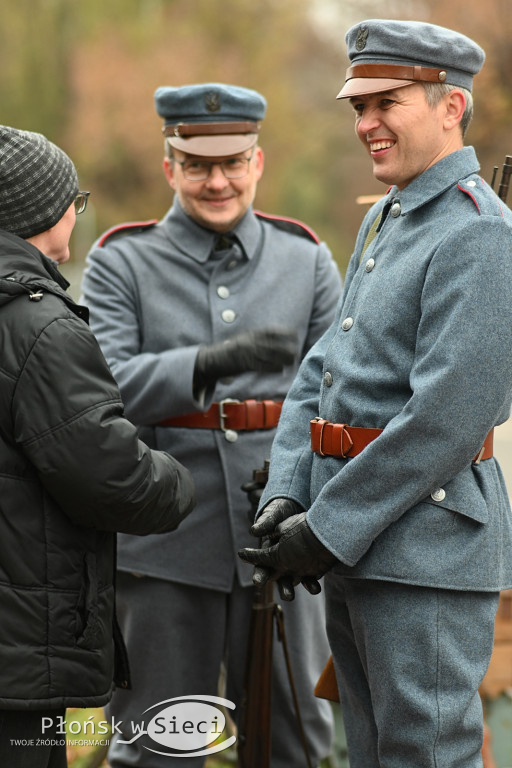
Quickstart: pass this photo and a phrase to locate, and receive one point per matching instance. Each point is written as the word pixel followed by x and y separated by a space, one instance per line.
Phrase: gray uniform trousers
pixel 184 611
pixel 407 667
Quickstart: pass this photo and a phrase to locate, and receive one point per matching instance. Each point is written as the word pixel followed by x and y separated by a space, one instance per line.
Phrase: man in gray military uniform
pixel 195 315
pixel 398 498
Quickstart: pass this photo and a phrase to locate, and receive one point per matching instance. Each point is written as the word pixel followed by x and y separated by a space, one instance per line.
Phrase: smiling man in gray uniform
pixel 212 304
pixel 395 495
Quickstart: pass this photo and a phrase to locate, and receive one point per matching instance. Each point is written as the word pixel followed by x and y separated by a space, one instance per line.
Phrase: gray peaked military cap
pixel 386 54
pixel 210 119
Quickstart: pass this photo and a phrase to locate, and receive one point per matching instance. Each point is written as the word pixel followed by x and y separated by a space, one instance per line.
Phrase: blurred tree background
pixel 84 74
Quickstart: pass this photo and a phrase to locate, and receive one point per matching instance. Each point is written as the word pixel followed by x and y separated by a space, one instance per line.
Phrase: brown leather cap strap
pixel 344 442
pixel 397 72
pixel 210 129
pixel 230 414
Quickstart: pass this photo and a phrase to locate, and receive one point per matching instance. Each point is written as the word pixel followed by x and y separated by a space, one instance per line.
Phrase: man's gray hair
pixel 168 149
pixel 434 92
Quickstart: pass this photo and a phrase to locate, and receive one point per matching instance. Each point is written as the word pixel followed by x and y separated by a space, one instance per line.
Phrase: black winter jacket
pixel 72 472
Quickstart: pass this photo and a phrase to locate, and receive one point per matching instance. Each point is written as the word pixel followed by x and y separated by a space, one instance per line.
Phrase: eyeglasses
pixel 199 170
pixel 81 202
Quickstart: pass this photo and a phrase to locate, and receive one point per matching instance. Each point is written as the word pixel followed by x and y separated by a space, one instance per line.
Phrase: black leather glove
pixel 273 514
pixel 268 349
pixel 298 556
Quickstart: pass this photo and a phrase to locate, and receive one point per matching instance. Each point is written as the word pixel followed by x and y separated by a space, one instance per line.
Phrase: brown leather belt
pixel 343 441
pixel 231 414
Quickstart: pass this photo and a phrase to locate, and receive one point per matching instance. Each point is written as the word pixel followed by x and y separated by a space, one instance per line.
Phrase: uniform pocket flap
pixel 462 494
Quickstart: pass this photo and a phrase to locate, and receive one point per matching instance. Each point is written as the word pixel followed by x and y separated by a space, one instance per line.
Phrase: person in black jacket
pixel 72 469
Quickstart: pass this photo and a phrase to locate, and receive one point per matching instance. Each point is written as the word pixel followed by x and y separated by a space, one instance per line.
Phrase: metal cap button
pixel 438 495
pixel 347 324
pixel 223 292
pixel 471 183
pixel 328 379
pixel 396 209
pixel 369 265
pixel 228 315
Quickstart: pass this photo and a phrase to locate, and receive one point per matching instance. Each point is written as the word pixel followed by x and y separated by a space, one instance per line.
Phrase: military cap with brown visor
pixel 210 119
pixel 386 54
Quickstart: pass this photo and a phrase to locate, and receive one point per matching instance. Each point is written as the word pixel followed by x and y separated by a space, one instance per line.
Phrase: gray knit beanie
pixel 38 182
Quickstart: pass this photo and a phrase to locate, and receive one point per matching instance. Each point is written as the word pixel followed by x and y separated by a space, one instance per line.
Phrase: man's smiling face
pixel 402 133
pixel 216 203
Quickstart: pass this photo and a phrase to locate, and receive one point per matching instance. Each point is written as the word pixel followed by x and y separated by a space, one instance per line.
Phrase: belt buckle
pixel 230 435
pixel 344 431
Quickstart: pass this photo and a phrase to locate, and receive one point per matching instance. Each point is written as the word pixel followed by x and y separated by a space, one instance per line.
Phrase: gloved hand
pixel 298 556
pixel 268 349
pixel 274 513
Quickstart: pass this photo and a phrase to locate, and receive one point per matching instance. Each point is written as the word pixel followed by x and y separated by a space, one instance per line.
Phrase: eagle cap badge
pixel 362 36
pixel 212 102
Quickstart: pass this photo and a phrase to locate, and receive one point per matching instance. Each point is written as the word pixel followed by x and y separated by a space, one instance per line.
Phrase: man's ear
pixel 259 159
pixel 169 172
pixel 455 103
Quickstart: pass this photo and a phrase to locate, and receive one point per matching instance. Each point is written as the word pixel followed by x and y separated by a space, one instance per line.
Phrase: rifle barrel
pixel 505 178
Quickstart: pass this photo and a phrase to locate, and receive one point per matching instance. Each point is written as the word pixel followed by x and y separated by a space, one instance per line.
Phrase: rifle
pixel 505 178
pixel 326 687
pixel 254 729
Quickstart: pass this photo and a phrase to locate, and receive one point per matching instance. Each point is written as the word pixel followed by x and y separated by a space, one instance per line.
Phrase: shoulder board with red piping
pixel 129 228
pixel 486 201
pixel 293 226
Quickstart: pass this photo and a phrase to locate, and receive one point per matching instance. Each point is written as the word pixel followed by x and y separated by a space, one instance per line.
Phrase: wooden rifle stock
pixel 254 730
pixel 254 733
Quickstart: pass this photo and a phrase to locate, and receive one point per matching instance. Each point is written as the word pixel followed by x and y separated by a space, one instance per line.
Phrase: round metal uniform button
pixel 369 265
pixel 328 379
pixel 438 495
pixel 231 436
pixel 471 183
pixel 396 209
pixel 347 323
pixel 228 315
pixel 223 292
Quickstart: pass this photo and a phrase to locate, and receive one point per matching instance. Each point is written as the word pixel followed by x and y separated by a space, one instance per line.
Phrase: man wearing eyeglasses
pixel 210 305
pixel 72 470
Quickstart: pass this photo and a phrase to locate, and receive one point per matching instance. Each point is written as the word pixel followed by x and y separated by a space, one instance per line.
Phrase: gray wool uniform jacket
pixel 154 296
pixel 421 348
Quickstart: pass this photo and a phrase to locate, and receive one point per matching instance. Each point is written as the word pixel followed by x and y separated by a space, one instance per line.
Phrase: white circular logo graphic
pixel 187 726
